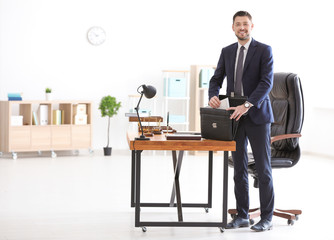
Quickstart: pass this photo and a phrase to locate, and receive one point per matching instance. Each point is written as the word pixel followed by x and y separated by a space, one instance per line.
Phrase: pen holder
pixel 170 129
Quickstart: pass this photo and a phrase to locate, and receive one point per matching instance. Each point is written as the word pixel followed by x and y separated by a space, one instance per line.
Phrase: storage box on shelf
pixel 175 87
pixel 41 129
pixel 200 76
pixel 80 114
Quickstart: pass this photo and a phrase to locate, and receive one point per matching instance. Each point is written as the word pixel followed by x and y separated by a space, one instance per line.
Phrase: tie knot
pixel 242 48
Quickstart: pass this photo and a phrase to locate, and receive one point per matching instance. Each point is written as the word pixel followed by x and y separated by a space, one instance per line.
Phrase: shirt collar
pixel 246 46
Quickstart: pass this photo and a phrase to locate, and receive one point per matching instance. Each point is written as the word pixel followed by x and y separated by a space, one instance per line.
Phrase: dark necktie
pixel 238 74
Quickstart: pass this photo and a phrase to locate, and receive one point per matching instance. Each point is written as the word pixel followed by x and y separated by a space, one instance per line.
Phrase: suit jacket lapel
pixel 250 53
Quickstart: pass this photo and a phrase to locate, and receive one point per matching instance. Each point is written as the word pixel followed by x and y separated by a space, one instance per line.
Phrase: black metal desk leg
pixel 210 180
pixel 177 162
pixel 133 177
pixel 172 198
pixel 137 192
pixel 225 190
pixel 177 186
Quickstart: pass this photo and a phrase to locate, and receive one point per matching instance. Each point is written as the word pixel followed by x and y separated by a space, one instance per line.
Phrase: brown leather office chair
pixel 287 102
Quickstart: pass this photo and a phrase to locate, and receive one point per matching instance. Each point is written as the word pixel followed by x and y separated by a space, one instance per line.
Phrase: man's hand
pixel 238 111
pixel 214 102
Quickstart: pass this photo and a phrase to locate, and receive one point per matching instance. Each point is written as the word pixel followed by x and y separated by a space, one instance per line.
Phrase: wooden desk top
pixel 159 142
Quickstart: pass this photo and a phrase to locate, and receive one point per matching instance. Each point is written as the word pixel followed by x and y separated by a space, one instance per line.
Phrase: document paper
pixel 224 104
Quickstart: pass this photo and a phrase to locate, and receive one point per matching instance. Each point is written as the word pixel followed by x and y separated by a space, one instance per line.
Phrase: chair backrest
pixel 287 102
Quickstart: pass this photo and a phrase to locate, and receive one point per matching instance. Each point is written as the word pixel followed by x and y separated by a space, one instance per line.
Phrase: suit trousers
pixel 259 139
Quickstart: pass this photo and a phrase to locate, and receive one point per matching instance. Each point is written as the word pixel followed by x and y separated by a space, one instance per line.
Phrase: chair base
pixel 290 215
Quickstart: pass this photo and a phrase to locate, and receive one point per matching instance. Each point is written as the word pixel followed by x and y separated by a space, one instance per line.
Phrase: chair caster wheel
pixel 222 230
pixel 291 222
pixel 297 217
pixel 53 154
pixel 233 216
pixel 251 221
pixel 144 229
pixel 206 210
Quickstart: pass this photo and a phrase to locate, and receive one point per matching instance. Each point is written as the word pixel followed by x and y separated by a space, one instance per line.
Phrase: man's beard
pixel 244 38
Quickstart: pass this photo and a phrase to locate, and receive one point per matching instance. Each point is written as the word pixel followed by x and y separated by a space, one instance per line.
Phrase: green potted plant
pixel 48 93
pixel 108 107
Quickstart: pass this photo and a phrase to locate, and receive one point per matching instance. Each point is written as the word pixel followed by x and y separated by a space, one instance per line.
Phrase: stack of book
pixel 58 117
pixel 80 114
pixel 142 113
pixel 14 97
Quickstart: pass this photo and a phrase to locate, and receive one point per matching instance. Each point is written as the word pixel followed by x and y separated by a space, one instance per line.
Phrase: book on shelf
pixel 14 96
pixel 43 114
pixel 56 117
pixel 62 117
pixel 131 114
pixel 34 118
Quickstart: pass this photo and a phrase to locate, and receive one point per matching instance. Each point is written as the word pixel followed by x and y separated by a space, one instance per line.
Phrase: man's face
pixel 242 27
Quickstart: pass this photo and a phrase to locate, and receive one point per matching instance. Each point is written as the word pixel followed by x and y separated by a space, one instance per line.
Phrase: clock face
pixel 96 35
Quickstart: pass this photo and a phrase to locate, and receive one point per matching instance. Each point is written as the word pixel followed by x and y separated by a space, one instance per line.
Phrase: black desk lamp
pixel 149 92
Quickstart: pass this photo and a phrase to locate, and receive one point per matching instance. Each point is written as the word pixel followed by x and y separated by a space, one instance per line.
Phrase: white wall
pixel 43 44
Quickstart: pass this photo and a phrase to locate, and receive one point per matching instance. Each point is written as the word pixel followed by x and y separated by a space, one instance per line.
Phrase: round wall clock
pixel 96 36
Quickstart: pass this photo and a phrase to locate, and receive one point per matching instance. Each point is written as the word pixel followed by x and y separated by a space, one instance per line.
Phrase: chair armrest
pixel 285 136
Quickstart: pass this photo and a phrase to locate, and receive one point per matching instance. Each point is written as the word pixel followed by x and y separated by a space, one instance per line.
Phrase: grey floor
pixel 87 196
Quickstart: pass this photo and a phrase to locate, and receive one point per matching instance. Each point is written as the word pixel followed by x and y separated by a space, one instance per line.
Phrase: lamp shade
pixel 149 91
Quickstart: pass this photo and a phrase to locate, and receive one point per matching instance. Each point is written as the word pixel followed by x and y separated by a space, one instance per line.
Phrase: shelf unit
pixel 49 137
pixel 177 106
pixel 198 96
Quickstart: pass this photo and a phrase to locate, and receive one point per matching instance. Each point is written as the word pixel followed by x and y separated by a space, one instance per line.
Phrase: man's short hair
pixel 242 14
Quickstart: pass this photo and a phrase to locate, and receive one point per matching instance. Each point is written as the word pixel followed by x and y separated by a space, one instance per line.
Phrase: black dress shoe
pixel 263 225
pixel 238 222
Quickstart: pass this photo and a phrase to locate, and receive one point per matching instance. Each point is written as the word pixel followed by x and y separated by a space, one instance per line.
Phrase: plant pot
pixel 107 151
pixel 48 96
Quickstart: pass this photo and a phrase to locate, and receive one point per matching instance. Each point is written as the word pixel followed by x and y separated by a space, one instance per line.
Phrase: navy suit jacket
pixel 257 79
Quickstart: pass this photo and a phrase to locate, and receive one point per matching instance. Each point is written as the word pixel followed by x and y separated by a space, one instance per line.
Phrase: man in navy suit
pixel 255 116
